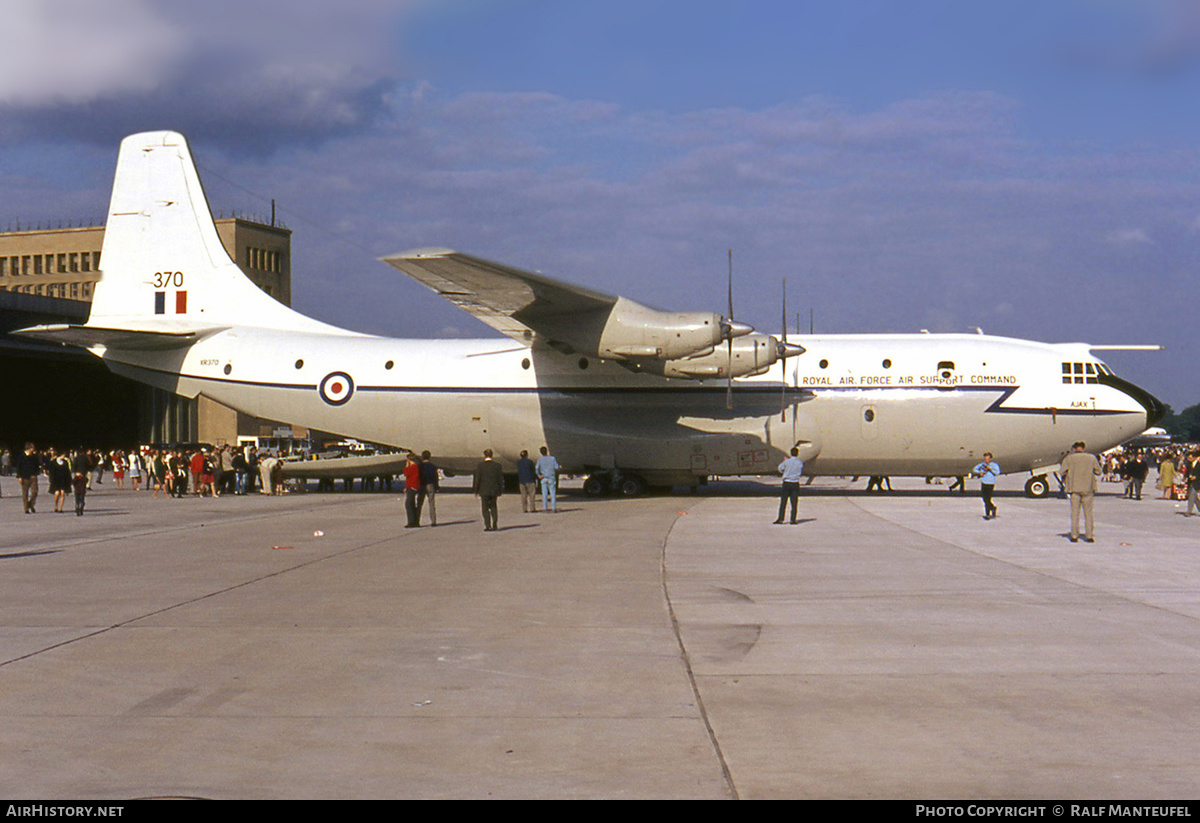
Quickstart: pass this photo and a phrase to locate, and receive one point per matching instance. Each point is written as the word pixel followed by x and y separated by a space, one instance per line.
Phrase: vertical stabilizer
pixel 162 261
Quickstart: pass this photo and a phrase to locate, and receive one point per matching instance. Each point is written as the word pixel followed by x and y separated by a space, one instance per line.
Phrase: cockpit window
pixel 1080 372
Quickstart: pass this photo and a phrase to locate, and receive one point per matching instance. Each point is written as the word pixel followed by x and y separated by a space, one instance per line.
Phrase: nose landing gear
pixel 1037 486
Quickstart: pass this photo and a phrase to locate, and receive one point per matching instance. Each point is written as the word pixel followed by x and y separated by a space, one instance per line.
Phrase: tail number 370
pixel 162 279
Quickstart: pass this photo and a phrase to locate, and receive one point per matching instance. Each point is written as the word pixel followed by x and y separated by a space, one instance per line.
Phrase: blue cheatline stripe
pixel 795 394
pixel 160 302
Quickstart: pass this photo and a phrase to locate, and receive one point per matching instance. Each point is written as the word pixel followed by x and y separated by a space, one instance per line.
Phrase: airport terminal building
pixel 60 395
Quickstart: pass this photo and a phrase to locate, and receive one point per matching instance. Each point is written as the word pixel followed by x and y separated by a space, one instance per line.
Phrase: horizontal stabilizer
pixel 125 338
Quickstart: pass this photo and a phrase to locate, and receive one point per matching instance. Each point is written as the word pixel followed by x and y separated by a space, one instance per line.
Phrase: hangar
pixel 65 396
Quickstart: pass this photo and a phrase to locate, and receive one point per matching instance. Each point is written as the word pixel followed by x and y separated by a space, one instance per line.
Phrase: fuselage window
pixel 388 365
pixel 946 368
pixel 824 364
pixel 887 364
pixel 525 363
pixel 583 362
pixel 299 364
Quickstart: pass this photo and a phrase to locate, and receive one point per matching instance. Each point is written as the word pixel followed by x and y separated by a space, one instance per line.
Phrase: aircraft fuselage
pixel 853 404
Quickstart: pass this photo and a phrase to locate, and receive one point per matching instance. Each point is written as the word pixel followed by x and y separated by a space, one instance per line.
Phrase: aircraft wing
pixel 88 336
pixel 518 303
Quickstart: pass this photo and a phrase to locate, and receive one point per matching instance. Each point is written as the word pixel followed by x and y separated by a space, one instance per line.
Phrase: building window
pixel 264 259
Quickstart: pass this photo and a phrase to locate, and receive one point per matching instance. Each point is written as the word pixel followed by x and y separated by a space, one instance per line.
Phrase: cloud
pixel 1150 37
pixel 1127 238
pixel 66 52
pixel 252 76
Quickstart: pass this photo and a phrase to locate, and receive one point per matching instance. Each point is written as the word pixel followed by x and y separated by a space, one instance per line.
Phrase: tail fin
pixel 162 262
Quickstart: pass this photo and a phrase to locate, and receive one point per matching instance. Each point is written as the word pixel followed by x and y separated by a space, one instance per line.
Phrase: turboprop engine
pixel 634 332
pixel 751 354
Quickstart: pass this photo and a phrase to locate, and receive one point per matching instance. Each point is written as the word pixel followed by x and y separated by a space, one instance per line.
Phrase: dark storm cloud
pixel 246 77
pixel 255 114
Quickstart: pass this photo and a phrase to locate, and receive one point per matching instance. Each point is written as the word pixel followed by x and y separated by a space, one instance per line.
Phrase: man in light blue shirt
pixel 792 470
pixel 547 471
pixel 988 471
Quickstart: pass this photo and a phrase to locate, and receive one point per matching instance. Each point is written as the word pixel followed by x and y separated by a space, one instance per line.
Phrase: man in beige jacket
pixel 1080 472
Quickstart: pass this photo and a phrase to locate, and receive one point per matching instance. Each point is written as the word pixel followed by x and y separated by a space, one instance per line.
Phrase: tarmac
pixel 888 646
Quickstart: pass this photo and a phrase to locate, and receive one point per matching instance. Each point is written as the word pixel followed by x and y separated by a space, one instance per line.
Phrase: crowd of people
pixel 213 471
pixel 1178 472
pixel 173 472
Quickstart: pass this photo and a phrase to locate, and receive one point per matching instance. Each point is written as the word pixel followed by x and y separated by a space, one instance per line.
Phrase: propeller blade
pixel 729 362
pixel 730 315
pixel 783 356
pixel 729 377
pixel 784 350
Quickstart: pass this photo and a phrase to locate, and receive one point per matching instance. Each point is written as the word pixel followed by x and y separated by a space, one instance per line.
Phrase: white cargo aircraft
pixel 626 394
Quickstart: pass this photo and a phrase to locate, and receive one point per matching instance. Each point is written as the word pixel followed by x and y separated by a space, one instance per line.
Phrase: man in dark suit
pixel 29 467
pixel 489 485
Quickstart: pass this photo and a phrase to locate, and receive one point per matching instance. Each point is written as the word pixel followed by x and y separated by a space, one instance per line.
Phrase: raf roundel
pixel 336 388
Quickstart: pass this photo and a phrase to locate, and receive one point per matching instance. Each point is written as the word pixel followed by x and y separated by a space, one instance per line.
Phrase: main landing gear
pixel 621 484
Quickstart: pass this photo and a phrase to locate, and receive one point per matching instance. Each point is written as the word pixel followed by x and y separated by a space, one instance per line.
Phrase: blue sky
pixel 1025 167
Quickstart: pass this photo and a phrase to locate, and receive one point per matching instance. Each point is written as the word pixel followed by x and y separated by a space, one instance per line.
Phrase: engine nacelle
pixel 752 354
pixel 636 332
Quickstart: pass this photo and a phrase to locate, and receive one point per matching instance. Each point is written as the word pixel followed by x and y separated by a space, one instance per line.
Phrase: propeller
pixel 785 350
pixel 729 361
pixel 730 329
pixel 783 358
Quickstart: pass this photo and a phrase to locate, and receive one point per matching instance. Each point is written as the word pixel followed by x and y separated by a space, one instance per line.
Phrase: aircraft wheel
pixel 595 486
pixel 631 486
pixel 1037 487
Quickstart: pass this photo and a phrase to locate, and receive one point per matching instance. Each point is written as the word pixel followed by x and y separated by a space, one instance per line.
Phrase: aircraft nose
pixel 1155 408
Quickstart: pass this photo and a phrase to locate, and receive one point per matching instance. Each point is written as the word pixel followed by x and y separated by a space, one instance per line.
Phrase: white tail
pixel 162 263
